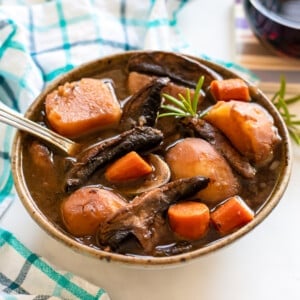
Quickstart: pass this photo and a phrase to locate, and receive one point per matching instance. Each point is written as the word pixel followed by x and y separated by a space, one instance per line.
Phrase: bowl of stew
pixel 177 157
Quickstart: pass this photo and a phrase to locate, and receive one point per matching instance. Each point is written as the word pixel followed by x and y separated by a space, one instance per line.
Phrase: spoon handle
pixel 15 119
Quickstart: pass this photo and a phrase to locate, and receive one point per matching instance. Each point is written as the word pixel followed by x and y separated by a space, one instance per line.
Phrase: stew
pixel 158 177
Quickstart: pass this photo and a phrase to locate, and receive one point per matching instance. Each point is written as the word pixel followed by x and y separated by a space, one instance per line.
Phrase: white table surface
pixel 265 264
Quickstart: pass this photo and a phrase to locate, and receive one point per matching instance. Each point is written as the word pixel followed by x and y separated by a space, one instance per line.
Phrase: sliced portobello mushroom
pixel 138 139
pixel 142 107
pixel 179 68
pixel 144 217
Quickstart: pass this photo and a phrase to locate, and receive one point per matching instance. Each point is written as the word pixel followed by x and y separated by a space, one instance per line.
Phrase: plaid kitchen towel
pixel 24 273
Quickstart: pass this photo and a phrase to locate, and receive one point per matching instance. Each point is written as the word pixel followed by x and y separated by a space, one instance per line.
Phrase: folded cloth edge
pixel 23 269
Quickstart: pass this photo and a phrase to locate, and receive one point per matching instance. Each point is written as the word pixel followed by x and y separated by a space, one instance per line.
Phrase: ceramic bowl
pixel 40 217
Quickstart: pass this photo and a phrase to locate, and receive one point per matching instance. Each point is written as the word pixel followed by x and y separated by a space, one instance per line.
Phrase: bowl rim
pixel 146 261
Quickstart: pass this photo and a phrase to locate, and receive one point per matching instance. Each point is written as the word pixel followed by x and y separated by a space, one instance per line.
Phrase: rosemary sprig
pixel 281 103
pixel 184 106
pixel 187 107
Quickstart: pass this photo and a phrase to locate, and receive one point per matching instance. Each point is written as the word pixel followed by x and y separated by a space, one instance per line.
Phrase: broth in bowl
pixel 161 177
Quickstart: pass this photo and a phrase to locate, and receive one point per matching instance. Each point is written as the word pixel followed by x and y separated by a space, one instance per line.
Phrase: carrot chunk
pixel 81 107
pixel 231 215
pixel 189 219
pixel 130 166
pixel 230 89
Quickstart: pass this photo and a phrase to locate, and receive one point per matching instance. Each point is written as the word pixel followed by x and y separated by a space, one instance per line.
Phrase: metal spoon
pixel 15 119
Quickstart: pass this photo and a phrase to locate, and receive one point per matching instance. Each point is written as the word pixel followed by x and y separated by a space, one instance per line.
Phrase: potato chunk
pixel 81 107
pixel 248 126
pixel 85 209
pixel 194 156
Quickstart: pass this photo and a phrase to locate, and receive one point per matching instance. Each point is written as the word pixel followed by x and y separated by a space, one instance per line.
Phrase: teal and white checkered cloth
pixel 25 275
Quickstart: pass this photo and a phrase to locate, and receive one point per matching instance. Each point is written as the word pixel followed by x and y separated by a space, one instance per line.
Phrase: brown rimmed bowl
pixel 91 69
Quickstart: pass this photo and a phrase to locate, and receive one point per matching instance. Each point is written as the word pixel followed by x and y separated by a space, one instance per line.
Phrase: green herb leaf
pixel 186 103
pixel 173 100
pixel 173 109
pixel 282 105
pixel 197 93
pixel 292 100
pixel 184 106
